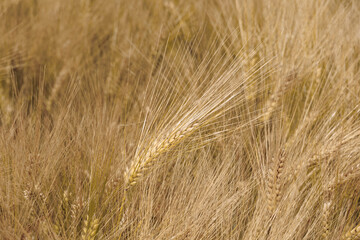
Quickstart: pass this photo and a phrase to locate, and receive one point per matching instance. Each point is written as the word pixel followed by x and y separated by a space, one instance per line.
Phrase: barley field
pixel 180 119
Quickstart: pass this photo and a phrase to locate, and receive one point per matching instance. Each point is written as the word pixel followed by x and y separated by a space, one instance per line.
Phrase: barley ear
pixel 274 99
pixel 325 220
pixel 90 228
pixel 274 182
pixel 142 164
pixel 352 234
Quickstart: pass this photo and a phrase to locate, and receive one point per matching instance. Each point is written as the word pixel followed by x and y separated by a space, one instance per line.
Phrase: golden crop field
pixel 180 119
